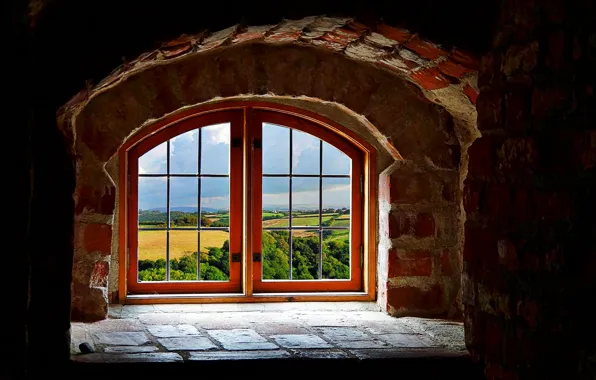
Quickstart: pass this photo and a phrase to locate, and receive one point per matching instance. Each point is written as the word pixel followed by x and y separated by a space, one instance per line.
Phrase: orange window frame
pixel 235 118
pixel 319 285
pixel 246 118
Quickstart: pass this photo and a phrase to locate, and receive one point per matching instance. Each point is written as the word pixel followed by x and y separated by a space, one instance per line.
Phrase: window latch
pixel 256 257
pixel 257 143
pixel 236 257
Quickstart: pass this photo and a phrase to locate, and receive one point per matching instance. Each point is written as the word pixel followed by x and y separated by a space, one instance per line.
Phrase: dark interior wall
pixel 60 45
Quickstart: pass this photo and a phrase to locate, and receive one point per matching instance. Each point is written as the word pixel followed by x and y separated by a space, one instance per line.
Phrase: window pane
pixel 184 199
pixel 215 149
pixel 336 254
pixel 183 255
pixel 276 193
pixel 184 153
pixel 155 160
pixel 305 255
pixel 276 149
pixel 152 255
pixel 335 161
pixel 305 201
pixel 215 255
pixel 152 195
pixel 276 255
pixel 336 202
pixel 215 202
pixel 306 152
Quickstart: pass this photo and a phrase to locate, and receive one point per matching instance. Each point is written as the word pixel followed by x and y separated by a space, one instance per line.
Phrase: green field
pixel 296 221
pixel 152 244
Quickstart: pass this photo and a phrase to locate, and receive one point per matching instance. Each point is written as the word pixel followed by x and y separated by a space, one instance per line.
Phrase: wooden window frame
pixel 247 287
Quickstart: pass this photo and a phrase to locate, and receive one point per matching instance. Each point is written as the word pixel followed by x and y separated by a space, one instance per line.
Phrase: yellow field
pixel 152 244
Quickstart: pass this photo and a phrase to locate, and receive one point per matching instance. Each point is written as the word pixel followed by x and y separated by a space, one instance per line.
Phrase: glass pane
pixel 276 198
pixel 276 149
pixel 215 149
pixel 336 254
pixel 305 255
pixel 155 160
pixel 306 151
pixel 276 255
pixel 336 202
pixel 305 201
pixel 152 255
pixel 184 209
pixel 215 255
pixel 215 202
pixel 335 161
pixel 184 153
pixel 152 196
pixel 183 255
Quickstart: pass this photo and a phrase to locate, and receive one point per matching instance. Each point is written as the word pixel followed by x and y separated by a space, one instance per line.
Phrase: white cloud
pixel 217 134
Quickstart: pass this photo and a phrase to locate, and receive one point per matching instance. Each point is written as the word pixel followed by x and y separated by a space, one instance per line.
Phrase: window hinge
pixel 361 185
pixel 361 255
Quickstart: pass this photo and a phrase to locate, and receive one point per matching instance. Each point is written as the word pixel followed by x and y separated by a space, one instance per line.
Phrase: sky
pixel 215 151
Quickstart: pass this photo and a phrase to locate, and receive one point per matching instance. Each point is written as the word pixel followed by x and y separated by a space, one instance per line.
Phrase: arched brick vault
pixel 415 99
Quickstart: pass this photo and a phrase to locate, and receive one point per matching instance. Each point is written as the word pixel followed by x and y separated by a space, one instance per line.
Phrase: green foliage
pixel 215 266
pixel 215 263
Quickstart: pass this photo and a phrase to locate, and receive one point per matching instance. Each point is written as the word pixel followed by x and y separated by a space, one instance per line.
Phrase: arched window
pixel 247 201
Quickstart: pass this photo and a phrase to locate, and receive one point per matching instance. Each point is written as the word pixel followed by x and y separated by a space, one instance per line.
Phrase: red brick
pixel 97 238
pixel 471 93
pixel 425 49
pixel 90 199
pixel 416 263
pixel 425 225
pixel 420 225
pixel 446 267
pixel 412 298
pixel 498 200
pixel 455 70
pixel 399 35
pixel 99 276
pixel 507 254
pixel 471 196
pixel 481 158
pixel 490 112
pixel 517 109
pixel 399 225
pixel 410 189
pixel 430 79
pixel 466 59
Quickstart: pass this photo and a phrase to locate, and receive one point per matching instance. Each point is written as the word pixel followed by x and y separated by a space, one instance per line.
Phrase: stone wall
pixel 530 196
pixel 416 97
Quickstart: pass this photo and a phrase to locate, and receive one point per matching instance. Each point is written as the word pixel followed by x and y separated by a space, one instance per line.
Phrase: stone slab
pixel 387 327
pixel 321 354
pixel 129 349
pixel 360 344
pixel 121 338
pixel 238 355
pixel 407 340
pixel 300 341
pixel 236 336
pixel 406 353
pixel 171 331
pixel 147 357
pixel 343 333
pixel 243 346
pixel 189 343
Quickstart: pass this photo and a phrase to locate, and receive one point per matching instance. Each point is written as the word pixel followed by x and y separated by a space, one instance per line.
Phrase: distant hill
pixel 301 207
pixel 186 209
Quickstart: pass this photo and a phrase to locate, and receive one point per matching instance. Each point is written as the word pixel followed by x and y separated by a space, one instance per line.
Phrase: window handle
pixel 236 257
pixel 256 257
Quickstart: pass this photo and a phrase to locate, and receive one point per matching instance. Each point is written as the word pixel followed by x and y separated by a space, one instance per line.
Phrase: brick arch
pixel 415 99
